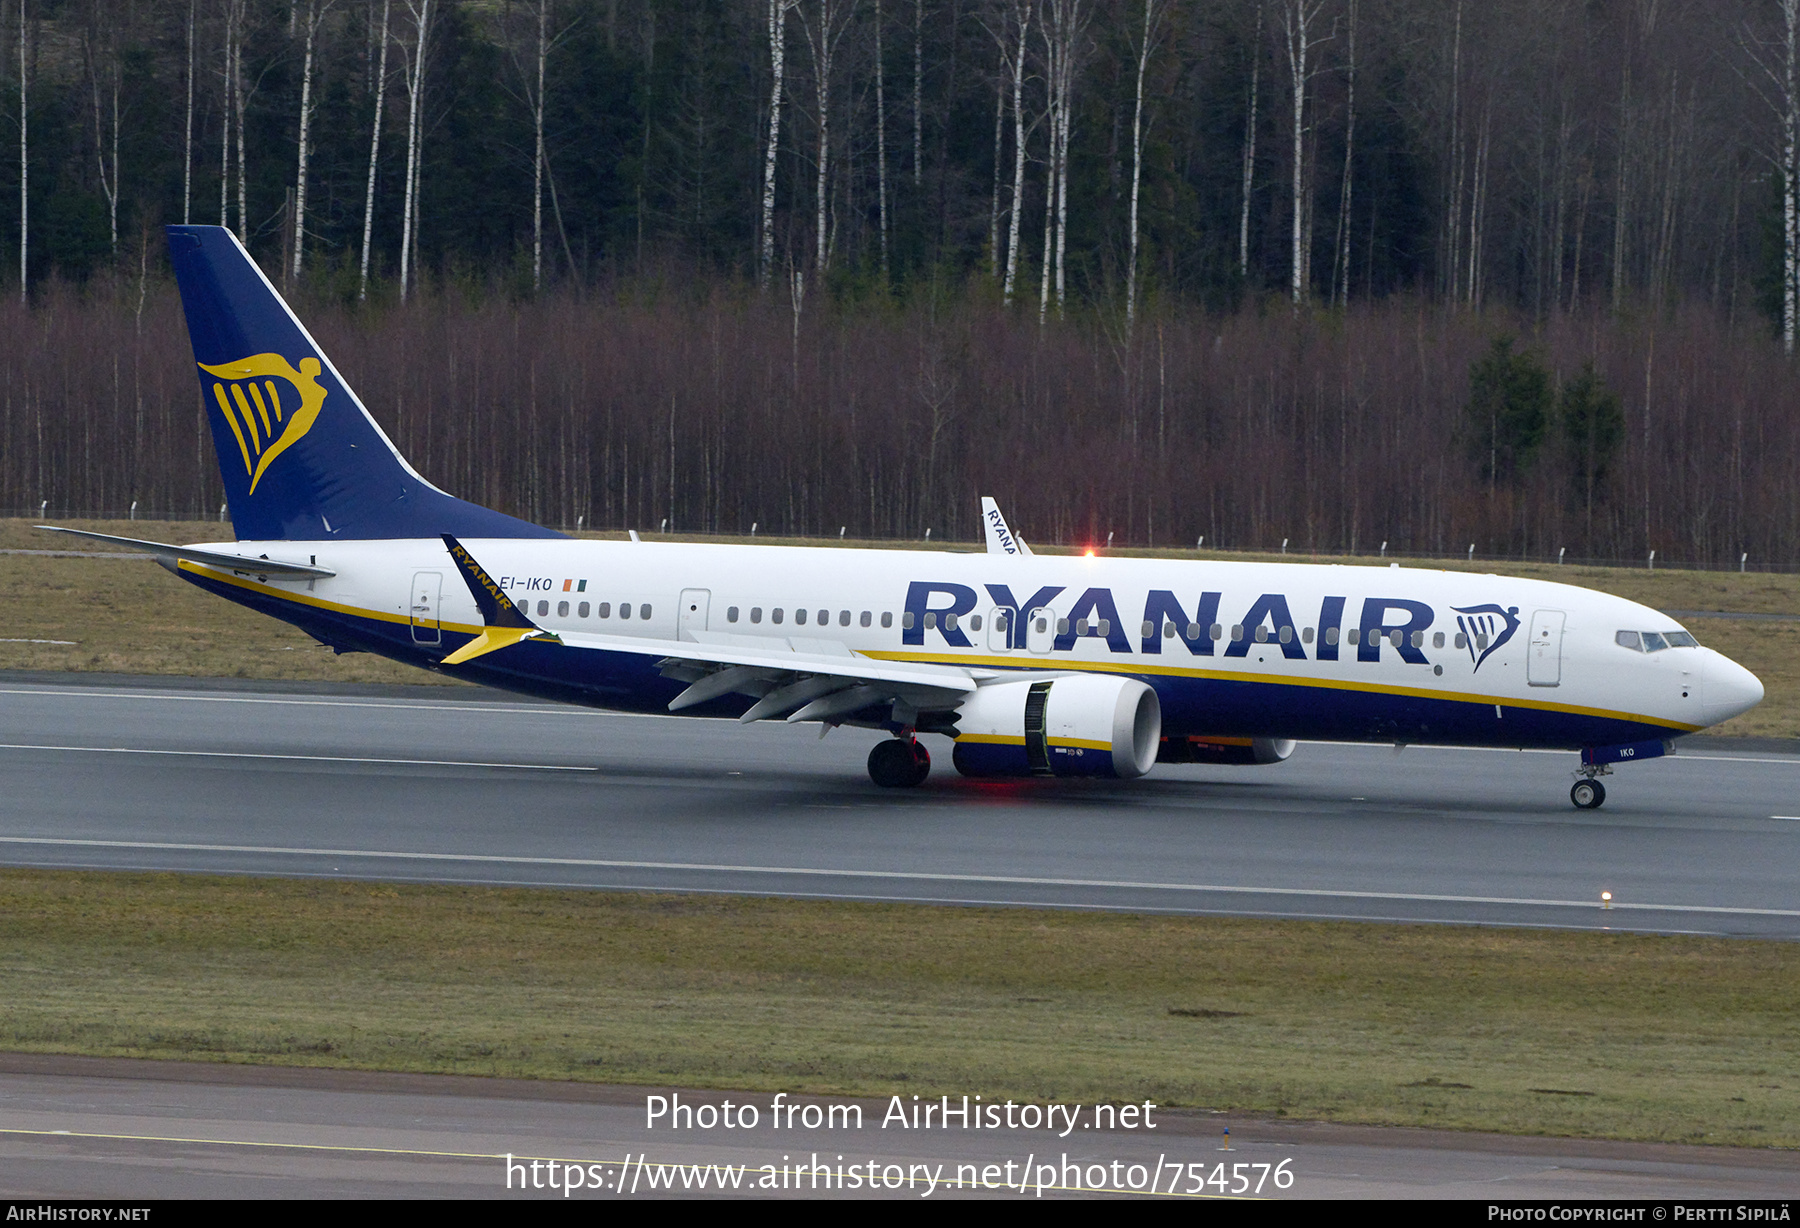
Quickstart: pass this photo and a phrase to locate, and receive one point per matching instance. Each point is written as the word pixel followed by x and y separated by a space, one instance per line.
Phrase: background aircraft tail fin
pixel 301 457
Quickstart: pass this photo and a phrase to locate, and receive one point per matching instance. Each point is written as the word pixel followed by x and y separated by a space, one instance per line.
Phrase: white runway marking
pixel 236 754
pixel 916 875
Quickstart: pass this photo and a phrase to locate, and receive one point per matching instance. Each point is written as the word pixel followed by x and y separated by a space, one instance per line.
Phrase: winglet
pixel 1000 539
pixel 503 623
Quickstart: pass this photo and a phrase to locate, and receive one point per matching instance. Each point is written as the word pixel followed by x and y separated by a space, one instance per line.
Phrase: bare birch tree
pixel 1250 145
pixel 834 19
pixel 1021 13
pixel 1153 13
pixel 415 87
pixel 315 13
pixel 778 10
pixel 380 86
pixel 1298 19
pixel 1064 31
pixel 100 47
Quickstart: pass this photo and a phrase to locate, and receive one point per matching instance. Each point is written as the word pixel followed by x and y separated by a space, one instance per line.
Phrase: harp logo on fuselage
pixel 268 405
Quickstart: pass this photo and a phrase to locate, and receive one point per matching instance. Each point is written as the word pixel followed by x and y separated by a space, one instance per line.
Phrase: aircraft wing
pixel 242 564
pixel 796 678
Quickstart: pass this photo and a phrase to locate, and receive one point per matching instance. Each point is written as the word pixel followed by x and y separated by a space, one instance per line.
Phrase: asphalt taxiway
pixel 458 785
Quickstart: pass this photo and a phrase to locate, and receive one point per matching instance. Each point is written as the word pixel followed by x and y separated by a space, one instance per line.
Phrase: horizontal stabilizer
pixel 164 553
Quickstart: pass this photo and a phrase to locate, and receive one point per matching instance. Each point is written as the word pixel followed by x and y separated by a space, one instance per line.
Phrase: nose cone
pixel 1730 689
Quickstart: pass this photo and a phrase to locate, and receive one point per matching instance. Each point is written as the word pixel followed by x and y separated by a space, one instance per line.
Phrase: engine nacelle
pixel 1081 725
pixel 1234 751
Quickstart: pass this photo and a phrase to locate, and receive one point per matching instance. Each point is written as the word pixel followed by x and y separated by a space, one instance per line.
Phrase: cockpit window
pixel 1654 641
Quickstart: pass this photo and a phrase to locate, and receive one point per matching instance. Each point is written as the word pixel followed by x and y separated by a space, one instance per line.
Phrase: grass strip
pixel 1526 1031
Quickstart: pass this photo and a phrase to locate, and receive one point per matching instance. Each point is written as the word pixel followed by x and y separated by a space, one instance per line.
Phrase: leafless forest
pixel 1159 269
pixel 1333 431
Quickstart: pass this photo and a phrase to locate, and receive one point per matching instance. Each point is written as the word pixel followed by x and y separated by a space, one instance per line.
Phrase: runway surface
pixel 103 1128
pixel 430 784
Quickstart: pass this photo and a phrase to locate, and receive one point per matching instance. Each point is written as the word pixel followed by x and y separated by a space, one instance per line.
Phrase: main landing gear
pixel 899 763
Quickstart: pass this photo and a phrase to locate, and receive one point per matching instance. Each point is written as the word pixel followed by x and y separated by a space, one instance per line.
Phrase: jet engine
pixel 1080 725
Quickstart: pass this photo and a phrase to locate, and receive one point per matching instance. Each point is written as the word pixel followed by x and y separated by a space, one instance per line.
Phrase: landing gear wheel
pixel 1587 794
pixel 899 763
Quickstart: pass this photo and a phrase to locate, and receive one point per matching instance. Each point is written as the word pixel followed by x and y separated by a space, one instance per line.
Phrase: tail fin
pixel 301 458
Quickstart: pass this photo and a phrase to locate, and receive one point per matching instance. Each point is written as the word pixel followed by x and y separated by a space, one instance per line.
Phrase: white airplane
pixel 1033 665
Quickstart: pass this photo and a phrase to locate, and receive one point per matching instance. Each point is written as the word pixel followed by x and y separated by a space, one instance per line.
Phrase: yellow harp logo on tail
pixel 250 399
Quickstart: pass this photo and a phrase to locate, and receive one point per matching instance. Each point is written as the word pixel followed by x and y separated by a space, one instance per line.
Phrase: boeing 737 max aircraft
pixel 1034 665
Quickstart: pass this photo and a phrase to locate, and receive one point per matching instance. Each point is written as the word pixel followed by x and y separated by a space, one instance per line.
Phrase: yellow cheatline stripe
pixel 231 421
pixel 1081 743
pixel 1038 663
pixel 991 739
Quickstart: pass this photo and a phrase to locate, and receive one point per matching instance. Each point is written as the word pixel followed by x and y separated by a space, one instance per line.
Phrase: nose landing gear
pixel 1588 793
pixel 899 763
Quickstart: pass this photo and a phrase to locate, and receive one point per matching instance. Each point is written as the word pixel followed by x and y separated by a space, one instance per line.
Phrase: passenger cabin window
pixel 1437 639
pixel 605 610
pixel 543 608
pixel 644 611
pixel 824 618
pixel 887 619
pixel 799 618
pixel 906 620
pixel 775 615
pixel 624 609
pixel 844 618
pixel 755 613
pixel 866 619
pixel 583 609
pixel 1306 636
pixel 562 609
pixel 1331 635
pixel 731 614
pixel 1462 641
